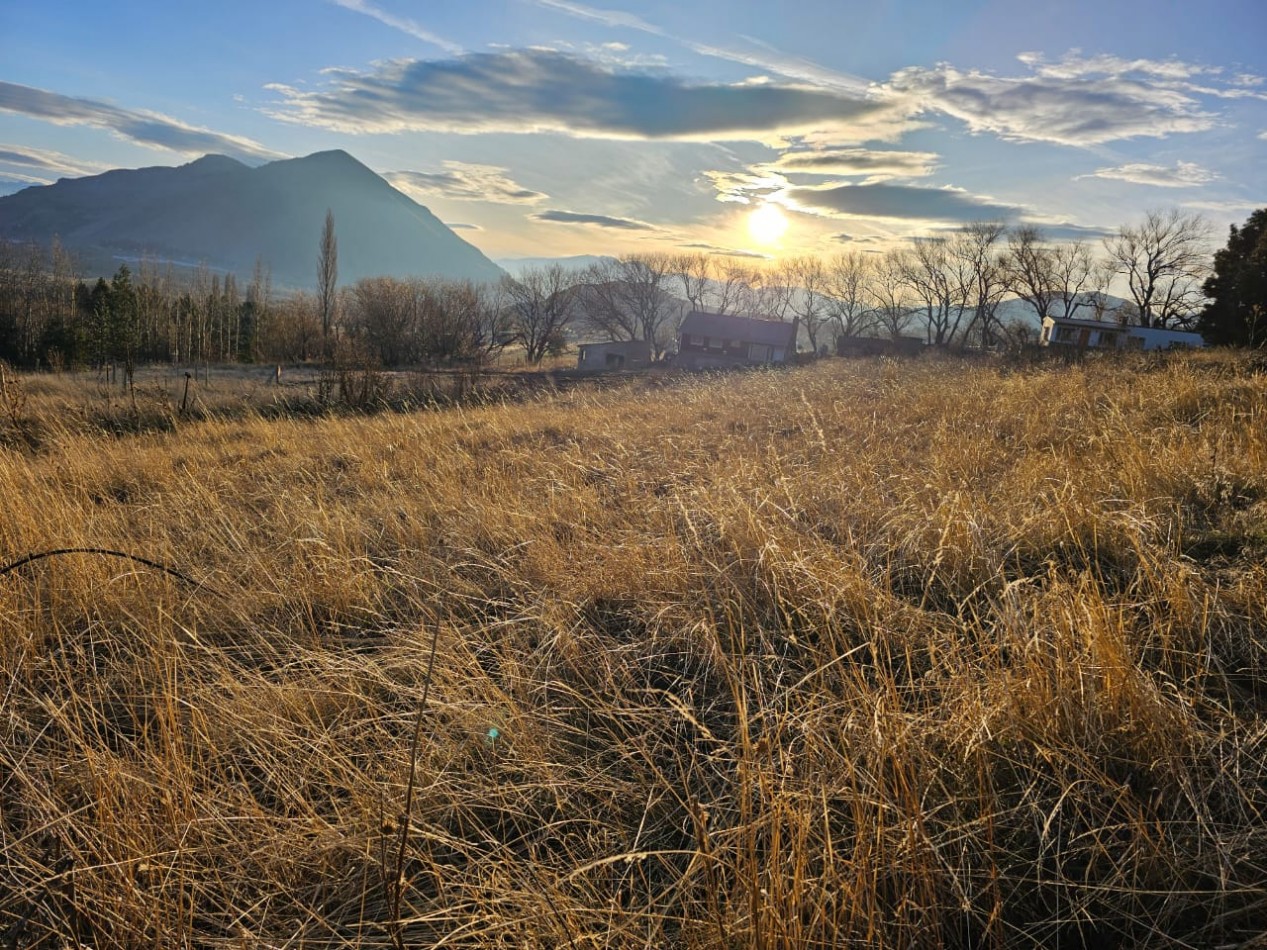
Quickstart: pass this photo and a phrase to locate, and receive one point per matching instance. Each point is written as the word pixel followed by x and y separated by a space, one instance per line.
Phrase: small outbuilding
pixel 726 340
pixel 1071 333
pixel 613 356
pixel 880 346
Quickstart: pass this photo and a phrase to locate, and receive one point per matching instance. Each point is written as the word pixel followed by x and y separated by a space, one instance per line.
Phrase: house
pixel 614 355
pixel 1102 335
pixel 724 340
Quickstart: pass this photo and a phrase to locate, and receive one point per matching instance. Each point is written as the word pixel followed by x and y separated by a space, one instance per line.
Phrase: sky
pixel 548 128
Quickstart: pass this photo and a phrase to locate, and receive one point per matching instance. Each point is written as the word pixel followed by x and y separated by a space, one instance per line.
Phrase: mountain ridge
pixel 220 211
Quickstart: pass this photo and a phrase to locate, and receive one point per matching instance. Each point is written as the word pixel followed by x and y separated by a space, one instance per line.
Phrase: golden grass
pixel 917 655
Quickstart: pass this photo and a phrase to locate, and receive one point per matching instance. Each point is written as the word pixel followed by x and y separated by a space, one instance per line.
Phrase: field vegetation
pixel 939 653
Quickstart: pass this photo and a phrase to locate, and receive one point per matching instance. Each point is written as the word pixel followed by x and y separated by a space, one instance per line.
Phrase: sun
pixel 767 223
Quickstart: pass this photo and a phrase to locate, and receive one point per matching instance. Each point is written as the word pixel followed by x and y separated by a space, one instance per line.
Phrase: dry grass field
pixel 859 654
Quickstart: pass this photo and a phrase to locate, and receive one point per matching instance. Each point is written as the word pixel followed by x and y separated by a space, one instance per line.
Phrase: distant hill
pixel 226 214
pixel 517 265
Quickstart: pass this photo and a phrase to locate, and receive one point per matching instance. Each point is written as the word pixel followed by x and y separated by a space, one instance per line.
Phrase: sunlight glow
pixel 767 223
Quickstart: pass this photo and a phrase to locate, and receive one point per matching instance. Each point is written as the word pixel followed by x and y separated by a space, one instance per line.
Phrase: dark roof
pixel 730 326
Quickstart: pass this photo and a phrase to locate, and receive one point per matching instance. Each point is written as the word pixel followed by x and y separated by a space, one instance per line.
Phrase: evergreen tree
pixel 1237 313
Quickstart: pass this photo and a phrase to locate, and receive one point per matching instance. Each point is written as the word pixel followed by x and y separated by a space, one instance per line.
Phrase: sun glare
pixel 767 223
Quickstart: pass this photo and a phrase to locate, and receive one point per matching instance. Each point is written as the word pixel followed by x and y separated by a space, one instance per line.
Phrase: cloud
pixel 1263 135
pixel 1074 66
pixel 598 220
pixel 874 164
pixel 1075 102
pixel 764 57
pixel 1064 231
pixel 896 201
pixel 1182 175
pixel 716 251
pixel 462 227
pixel 843 238
pixel 404 24
pixel 46 163
pixel 463 181
pixel 10 184
pixel 614 18
pixel 1223 207
pixel 746 186
pixel 151 129
pixel 535 90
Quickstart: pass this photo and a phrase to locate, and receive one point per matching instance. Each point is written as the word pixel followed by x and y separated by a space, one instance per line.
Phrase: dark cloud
pixel 873 163
pixel 463 227
pixel 717 251
pixel 898 201
pixel 465 182
pixel 543 90
pixel 1072 232
pixel 598 220
pixel 142 127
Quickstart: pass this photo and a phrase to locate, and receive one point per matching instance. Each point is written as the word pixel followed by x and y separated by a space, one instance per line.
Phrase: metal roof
pixel 731 326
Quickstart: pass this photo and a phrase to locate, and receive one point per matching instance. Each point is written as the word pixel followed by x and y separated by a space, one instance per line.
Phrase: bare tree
pixel 975 253
pixel 1054 279
pixel 327 280
pixel 937 280
pixel 1164 259
pixel 845 287
pixel 541 304
pixel 695 274
pixel 628 299
pixel 888 292
pixel 732 287
pixel 807 276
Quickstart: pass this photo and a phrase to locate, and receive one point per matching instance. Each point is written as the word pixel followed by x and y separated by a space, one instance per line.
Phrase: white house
pixel 1103 335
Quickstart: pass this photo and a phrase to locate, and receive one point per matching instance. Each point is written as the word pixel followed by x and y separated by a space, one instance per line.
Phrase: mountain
pixel 221 212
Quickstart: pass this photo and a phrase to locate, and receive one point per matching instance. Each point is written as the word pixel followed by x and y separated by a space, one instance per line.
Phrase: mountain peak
pixel 229 215
pixel 215 163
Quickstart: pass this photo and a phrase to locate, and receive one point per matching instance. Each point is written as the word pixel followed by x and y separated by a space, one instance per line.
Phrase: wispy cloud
pixel 45 162
pixel 459 226
pixel 614 18
pixel 597 220
pixel 1073 102
pixel 464 181
pixel 761 55
pixel 403 24
pixel 147 128
pixel 903 202
pixel 1181 175
pixel 535 90
pixel 1223 207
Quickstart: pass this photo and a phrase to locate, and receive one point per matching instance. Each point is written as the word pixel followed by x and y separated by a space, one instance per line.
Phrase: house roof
pixel 731 326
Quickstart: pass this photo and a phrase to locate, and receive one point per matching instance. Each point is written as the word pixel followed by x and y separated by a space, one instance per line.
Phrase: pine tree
pixel 1237 313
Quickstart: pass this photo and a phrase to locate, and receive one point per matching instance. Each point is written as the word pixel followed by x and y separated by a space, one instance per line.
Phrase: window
pixel 1065 335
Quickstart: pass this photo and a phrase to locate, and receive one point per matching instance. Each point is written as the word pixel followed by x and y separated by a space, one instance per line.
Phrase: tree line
pixel 947 289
